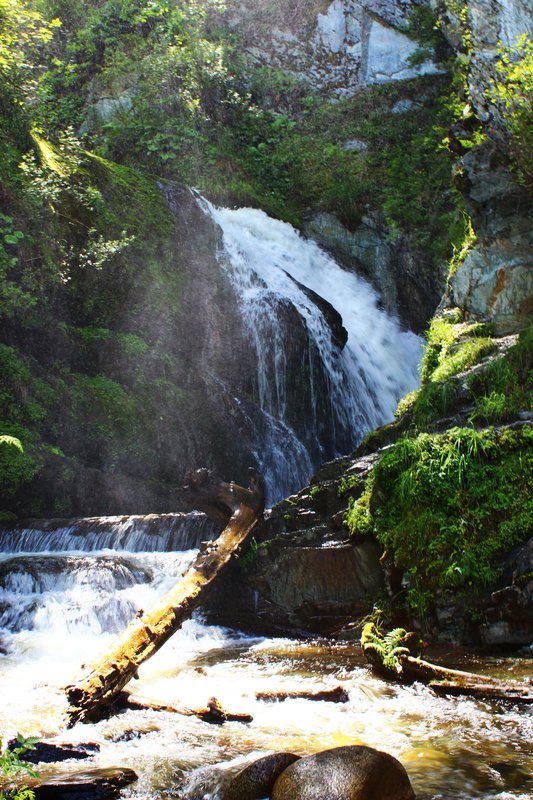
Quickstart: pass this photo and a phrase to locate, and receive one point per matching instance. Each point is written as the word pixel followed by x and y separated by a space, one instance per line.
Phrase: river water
pixel 67 593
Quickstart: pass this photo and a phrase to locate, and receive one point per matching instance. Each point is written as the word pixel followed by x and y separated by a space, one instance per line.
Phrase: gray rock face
pixel 344 773
pixel 338 49
pixel 388 54
pixel 407 285
pixel 307 575
pixel 509 616
pixel 495 281
pixel 494 24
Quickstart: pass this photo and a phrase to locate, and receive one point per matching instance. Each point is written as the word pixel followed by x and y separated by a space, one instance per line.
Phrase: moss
pixel 505 386
pixel 448 506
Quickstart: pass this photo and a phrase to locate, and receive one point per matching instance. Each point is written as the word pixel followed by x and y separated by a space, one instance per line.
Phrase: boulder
pixel 257 779
pixel 344 773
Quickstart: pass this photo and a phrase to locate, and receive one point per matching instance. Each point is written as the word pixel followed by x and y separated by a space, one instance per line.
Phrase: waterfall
pixel 91 576
pixel 320 400
pixel 153 532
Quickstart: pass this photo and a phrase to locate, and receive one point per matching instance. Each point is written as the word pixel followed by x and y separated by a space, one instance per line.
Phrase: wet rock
pixel 257 779
pixel 407 283
pixel 53 752
pixel 129 734
pixel 344 773
pixel 509 612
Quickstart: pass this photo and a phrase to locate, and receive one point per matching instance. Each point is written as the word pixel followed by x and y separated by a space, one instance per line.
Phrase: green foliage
pixel 12 296
pixel 512 92
pixel 12 764
pixel 246 560
pixel 385 649
pixel 104 405
pixel 453 346
pixel 11 441
pixel 505 386
pixel 446 506
pixel 18 465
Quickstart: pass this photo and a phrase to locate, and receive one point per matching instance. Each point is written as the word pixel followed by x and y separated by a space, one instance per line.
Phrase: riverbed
pixel 59 609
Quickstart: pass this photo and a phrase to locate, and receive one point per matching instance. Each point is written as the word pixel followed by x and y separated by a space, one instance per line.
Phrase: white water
pixel 270 264
pixel 59 609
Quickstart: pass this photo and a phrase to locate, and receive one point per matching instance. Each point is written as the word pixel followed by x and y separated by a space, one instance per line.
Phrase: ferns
pixel 384 650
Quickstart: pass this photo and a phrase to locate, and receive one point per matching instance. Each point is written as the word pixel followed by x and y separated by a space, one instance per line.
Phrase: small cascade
pixel 154 532
pixel 90 576
pixel 331 364
pixel 97 593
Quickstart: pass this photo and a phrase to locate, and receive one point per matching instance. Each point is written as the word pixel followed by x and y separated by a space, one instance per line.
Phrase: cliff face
pixel 336 47
pixel 495 280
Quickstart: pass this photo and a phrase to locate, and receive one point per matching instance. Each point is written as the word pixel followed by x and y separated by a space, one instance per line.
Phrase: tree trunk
pixel 91 696
pixel 380 649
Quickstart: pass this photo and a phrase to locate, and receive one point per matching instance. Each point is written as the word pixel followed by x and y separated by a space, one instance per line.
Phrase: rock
pixel 344 773
pixel 257 779
pixel 495 280
pixel 493 25
pixel 509 612
pixel 388 56
pixel 53 752
pixel 355 144
pixel 336 47
pixel 405 279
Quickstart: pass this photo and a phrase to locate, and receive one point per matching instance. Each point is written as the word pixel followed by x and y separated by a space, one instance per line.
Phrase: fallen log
pixel 455 682
pixel 389 657
pixel 214 713
pixel 336 695
pixel 94 784
pixel 485 691
pixel 91 697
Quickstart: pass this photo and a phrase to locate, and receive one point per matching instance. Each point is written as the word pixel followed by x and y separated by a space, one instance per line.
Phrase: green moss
pixel 505 386
pixel 452 345
pixel 447 506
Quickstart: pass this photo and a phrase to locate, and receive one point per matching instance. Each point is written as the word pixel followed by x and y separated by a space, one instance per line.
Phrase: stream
pixel 66 590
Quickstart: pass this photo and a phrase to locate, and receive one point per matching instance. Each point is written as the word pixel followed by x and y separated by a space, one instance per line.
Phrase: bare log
pixel 91 696
pixel 336 695
pixel 214 712
pixel 512 693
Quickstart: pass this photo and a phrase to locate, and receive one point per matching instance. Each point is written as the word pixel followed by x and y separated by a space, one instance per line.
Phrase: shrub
pixel 12 763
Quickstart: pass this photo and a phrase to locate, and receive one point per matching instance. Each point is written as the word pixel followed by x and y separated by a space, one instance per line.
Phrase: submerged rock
pixel 344 773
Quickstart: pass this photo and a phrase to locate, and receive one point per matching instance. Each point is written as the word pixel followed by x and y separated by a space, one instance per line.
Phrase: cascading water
pixel 60 607
pixel 282 281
